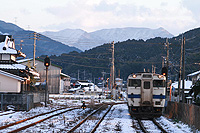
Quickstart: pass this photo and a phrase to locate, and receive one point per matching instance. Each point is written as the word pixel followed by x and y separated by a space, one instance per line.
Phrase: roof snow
pixel 7 47
pixel 188 84
pixel 24 60
pixel 192 74
pixel 12 66
pixel 65 75
pixel 11 75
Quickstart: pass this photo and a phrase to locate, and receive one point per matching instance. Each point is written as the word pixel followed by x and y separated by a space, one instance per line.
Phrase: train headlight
pixel 134 76
pixel 159 76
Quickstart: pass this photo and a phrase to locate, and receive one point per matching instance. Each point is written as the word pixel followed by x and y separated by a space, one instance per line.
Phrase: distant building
pixel 54 74
pixel 65 82
pixel 174 89
pixel 83 87
pixel 194 76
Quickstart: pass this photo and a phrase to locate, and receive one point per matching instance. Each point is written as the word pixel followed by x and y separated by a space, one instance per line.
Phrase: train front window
pixel 158 83
pixel 146 85
pixel 134 83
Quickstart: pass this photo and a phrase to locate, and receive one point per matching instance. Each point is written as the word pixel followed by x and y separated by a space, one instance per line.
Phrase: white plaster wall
pixel 8 84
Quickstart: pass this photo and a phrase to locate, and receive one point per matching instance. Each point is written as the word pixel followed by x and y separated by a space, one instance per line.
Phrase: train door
pixel 146 92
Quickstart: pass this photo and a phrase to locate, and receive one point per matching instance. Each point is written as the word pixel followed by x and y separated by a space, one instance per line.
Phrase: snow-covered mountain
pixel 84 40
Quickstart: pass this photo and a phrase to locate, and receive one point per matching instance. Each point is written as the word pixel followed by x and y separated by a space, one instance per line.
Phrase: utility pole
pixel 35 37
pixel 112 78
pixel 153 69
pixel 183 75
pixel 21 41
pixel 46 64
pixel 78 74
pixel 180 69
pixel 34 45
pixel 167 59
pixel 84 74
pixel 103 73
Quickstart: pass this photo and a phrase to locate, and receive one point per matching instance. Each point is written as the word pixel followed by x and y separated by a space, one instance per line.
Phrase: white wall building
pixel 10 83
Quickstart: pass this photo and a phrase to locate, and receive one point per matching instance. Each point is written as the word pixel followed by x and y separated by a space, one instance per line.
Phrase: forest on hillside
pixel 132 56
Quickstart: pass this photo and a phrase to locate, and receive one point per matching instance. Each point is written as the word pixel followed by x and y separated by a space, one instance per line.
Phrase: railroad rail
pixel 102 118
pixel 142 126
pixel 32 124
pixel 18 122
pixel 159 126
pixel 96 126
pixel 154 121
pixel 78 125
pixel 7 113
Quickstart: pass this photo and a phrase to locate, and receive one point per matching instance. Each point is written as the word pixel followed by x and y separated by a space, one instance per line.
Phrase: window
pixel 146 85
pixel 147 76
pixel 134 83
pixel 158 83
pixel 5 57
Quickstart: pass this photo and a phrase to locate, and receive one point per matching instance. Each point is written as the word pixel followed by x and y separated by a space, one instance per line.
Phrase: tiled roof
pixel 11 75
pixel 12 66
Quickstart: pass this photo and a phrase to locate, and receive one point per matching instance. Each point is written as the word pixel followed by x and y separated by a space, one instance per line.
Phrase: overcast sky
pixel 176 16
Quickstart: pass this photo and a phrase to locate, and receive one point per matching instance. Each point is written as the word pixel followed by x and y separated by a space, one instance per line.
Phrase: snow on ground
pixel 172 126
pixel 150 126
pixel 91 122
pixel 117 120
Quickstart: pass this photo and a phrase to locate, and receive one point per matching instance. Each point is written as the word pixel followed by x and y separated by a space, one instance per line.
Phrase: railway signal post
pixel 46 64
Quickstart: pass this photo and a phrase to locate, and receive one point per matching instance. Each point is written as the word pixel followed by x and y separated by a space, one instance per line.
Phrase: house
pixel 195 92
pixel 174 89
pixel 194 76
pixel 8 53
pixel 8 63
pixel 65 82
pixel 54 74
pixel 15 79
pixel 85 87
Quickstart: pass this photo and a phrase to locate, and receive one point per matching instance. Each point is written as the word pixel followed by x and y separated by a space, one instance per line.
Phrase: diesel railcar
pixel 146 94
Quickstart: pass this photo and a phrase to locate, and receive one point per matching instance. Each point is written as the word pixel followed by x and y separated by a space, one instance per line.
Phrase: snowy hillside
pixel 123 34
pixel 84 41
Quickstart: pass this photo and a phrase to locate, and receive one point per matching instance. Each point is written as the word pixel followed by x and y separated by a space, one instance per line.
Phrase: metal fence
pixel 187 113
pixel 19 101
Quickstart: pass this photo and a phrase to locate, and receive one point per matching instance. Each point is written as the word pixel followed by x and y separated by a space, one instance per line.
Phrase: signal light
pixel 164 71
pixel 47 62
pixel 164 74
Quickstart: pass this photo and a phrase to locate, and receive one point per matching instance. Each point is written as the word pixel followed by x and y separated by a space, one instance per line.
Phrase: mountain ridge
pixel 132 56
pixel 44 45
pixel 88 40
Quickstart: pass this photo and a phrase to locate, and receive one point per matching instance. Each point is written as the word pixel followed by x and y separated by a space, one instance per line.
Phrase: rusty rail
pixel 94 129
pixel 15 123
pixel 78 125
pixel 32 124
pixel 142 126
pixel 7 113
pixel 159 126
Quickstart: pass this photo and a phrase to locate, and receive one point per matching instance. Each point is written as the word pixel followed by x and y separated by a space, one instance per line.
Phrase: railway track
pixel 6 113
pixel 90 115
pixel 49 115
pixel 145 130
